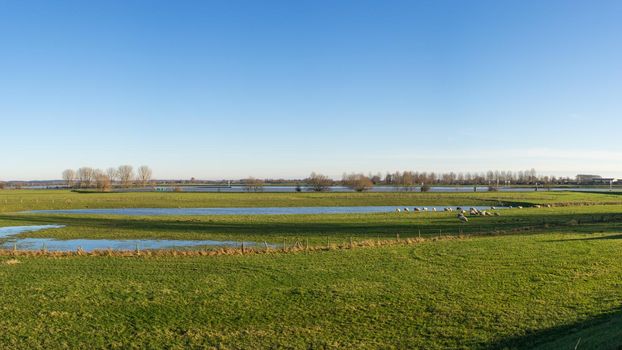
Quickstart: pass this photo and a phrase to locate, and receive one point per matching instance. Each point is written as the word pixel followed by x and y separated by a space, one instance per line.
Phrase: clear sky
pixel 229 89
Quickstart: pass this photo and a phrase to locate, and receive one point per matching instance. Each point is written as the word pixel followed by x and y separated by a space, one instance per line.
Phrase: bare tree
pixel 85 177
pixel 102 180
pixel 357 182
pixel 69 176
pixel 125 174
pixel 405 180
pixel 319 182
pixel 252 184
pixel 112 174
pixel 144 175
pixel 409 179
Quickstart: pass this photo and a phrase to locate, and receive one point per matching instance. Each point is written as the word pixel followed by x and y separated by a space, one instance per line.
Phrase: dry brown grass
pixel 297 247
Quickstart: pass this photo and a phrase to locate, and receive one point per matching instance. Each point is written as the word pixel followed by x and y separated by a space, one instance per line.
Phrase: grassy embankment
pixel 522 291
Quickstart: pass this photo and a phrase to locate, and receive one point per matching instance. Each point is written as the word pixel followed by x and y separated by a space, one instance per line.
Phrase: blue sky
pixel 229 89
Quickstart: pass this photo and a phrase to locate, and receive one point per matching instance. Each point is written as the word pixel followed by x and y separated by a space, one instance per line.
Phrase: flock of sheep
pixel 476 212
pixel 472 211
pixel 461 214
pixel 406 210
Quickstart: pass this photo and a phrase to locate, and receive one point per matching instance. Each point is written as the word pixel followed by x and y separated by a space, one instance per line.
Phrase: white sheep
pixel 462 218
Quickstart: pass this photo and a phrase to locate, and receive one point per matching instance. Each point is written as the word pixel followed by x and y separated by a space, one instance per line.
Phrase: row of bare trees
pixel 124 176
pixel 411 180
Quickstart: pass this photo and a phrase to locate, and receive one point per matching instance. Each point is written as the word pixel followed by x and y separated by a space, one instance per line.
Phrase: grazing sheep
pixel 520 207
pixel 548 206
pixel 493 208
pixel 417 209
pixel 425 209
pixel 433 209
pixel 406 210
pixel 398 210
pixel 537 206
pixel 462 218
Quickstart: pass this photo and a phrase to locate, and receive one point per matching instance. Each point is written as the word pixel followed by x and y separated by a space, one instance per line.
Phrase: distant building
pixel 584 179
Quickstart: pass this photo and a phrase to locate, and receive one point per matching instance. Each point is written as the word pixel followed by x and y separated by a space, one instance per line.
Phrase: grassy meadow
pixel 532 278
pixel 521 291
pixel 20 200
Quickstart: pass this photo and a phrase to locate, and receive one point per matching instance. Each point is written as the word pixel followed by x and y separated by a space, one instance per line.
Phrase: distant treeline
pixel 491 177
pixel 122 176
pixel 410 180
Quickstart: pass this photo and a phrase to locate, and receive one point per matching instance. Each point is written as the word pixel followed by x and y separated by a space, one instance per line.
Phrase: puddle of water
pixel 8 242
pixel 244 211
pixel 113 244
pixel 13 230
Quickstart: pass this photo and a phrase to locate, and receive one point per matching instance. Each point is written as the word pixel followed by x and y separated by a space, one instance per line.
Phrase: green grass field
pixel 18 200
pixel 547 278
pixel 520 291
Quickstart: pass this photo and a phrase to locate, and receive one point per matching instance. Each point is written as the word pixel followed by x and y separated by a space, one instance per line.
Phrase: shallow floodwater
pixel 9 242
pixel 13 230
pixel 113 244
pixel 245 211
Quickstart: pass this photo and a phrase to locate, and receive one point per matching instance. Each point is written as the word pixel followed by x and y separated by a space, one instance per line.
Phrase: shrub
pixel 319 182
pixel 357 182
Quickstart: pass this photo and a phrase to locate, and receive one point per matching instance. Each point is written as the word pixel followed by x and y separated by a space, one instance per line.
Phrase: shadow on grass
pixel 614 236
pixel 600 332
pixel 615 193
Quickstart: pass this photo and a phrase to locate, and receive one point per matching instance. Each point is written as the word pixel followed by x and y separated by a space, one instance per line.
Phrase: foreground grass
pixel 19 200
pixel 506 291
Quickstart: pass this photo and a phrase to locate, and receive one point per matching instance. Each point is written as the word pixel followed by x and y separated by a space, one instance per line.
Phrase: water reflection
pixel 8 241
pixel 247 211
